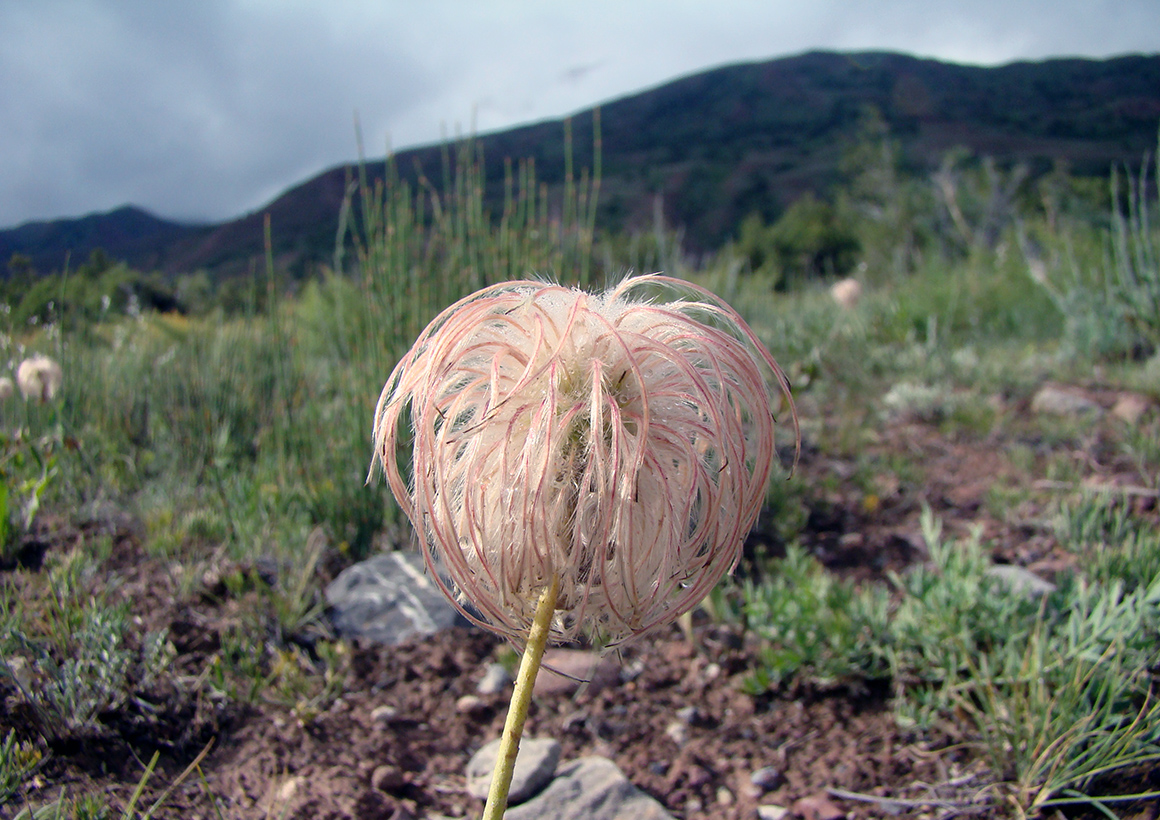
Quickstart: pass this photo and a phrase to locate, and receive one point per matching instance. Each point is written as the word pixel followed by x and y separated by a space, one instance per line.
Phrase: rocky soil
pixel 395 737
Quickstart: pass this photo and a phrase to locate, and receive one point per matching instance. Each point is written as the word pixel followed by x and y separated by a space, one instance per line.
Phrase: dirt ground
pixel 395 742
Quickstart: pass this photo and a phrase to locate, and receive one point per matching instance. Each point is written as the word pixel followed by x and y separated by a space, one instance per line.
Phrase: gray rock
pixel 1019 580
pixel 535 765
pixel 767 778
pixel 495 679
pixel 1055 401
pixel 388 599
pixel 591 788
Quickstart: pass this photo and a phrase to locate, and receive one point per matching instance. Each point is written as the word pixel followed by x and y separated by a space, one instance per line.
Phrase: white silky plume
pixel 621 445
pixel 39 377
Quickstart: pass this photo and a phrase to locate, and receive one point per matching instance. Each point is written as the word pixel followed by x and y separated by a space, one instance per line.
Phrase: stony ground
pixel 395 739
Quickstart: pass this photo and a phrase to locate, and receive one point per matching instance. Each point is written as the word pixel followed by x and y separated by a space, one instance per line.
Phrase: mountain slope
pixel 716 146
pixel 127 233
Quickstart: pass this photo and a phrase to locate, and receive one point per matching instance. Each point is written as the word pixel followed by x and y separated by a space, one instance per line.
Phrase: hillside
pixel 715 146
pixel 127 233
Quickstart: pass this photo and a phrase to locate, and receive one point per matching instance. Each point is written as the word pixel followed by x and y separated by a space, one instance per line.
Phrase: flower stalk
pixel 581 462
pixel 513 729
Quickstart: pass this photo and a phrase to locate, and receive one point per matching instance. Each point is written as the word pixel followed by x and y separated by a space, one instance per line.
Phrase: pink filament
pixel 621 445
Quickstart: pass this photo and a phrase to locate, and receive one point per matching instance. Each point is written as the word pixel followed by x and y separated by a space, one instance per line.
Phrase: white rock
pixel 383 714
pixel 771 812
pixel 469 703
pixel 1020 580
pixel 1055 401
pixel 1130 407
pixel 678 732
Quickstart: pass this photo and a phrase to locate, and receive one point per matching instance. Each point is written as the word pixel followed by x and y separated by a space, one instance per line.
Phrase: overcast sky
pixel 207 109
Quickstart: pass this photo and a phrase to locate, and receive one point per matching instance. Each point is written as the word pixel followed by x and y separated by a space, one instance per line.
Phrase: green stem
pixel 513 728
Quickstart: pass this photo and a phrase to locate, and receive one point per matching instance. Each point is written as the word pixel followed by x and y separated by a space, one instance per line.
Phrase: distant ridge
pixel 128 233
pixel 715 146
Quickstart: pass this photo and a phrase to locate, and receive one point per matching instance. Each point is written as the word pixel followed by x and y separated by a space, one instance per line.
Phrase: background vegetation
pixel 234 421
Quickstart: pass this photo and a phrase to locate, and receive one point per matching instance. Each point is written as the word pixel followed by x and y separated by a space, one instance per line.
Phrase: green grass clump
pixel 811 622
pixel 69 659
pixel 1113 544
pixel 19 759
pixel 1054 691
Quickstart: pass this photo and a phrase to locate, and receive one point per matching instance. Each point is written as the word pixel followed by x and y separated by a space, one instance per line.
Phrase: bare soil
pixel 396 740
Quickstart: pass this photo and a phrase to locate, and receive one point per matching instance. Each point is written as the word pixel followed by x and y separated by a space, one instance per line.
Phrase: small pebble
pixel 288 789
pixel 21 671
pixel 495 680
pixel 767 778
pixel 724 797
pixel 771 812
pixel 469 703
pixel 817 807
pixel 687 714
pixel 382 714
pixel 678 732
pixel 696 777
pixel 387 778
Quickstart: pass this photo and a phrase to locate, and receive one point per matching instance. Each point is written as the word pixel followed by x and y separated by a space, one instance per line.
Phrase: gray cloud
pixel 206 110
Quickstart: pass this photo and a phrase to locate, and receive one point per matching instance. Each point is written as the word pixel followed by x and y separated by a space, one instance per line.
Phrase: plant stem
pixel 513 728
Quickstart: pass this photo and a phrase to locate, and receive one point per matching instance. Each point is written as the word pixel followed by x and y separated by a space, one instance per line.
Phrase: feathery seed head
pixel 618 444
pixel 39 377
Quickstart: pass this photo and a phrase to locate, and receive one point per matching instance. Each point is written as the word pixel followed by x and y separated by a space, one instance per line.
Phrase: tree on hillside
pixel 886 208
pixel 806 242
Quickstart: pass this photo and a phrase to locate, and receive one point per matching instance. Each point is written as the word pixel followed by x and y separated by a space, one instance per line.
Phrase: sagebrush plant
pixel 1105 284
pixel 72 660
pixel 1055 690
pixel 1135 261
pixel 810 621
pixel 1112 543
